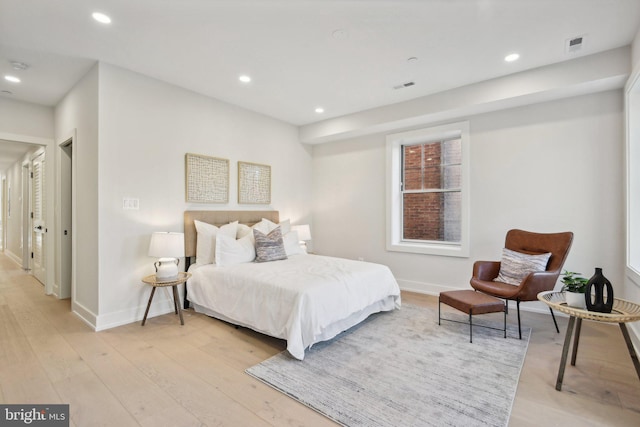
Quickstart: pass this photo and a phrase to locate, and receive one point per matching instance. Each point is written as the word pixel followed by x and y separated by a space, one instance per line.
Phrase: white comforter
pixel 304 299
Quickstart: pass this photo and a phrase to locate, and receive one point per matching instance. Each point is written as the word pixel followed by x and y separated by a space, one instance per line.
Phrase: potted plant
pixel 574 288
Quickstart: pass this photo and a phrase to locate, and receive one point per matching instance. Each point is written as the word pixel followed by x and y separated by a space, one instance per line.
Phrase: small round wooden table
pixel 623 311
pixel 153 281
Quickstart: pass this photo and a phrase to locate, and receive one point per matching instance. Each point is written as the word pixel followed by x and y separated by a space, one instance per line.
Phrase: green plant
pixel 573 282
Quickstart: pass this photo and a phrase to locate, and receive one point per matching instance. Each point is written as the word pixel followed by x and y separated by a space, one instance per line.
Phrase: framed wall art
pixel 207 179
pixel 254 183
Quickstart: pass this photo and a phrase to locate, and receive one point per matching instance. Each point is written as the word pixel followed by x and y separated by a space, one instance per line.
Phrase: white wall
pixel 79 111
pixel 146 127
pixel 23 118
pixel 635 50
pixel 547 167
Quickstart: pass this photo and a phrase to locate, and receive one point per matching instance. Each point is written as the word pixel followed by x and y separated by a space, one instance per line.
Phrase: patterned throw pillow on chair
pixel 515 266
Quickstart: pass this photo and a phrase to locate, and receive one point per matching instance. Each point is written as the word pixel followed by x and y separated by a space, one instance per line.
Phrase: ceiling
pixel 343 55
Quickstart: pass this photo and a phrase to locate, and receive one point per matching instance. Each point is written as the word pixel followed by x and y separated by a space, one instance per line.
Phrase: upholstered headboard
pixel 219 218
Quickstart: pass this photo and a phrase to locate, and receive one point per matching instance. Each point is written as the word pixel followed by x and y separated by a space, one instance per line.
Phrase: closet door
pixel 39 228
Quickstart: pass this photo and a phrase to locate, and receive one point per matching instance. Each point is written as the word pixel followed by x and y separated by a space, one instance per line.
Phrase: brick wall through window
pixel 428 214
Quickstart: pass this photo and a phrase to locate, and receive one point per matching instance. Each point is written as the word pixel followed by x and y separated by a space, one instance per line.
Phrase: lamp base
pixel 166 269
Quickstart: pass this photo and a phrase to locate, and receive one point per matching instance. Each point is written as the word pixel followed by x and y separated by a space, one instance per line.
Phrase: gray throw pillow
pixel 269 247
pixel 515 266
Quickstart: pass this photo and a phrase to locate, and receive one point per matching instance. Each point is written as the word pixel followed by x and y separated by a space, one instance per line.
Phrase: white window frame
pixel 632 112
pixel 394 190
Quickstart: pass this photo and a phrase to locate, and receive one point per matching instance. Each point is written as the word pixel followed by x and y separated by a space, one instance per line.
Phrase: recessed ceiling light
pixel 101 17
pixel 319 110
pixel 244 78
pixel 12 79
pixel 512 57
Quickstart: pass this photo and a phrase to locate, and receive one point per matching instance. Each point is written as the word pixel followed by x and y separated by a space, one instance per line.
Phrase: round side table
pixel 623 311
pixel 153 281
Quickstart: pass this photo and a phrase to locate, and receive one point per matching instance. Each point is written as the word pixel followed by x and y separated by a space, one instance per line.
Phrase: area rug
pixel 401 369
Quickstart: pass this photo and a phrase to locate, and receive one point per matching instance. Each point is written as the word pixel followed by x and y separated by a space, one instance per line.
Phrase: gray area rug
pixel 402 369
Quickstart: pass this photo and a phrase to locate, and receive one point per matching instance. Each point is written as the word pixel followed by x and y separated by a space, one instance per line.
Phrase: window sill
pixel 430 249
pixel 634 276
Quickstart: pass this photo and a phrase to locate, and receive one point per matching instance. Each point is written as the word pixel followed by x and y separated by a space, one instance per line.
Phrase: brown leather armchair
pixel 531 243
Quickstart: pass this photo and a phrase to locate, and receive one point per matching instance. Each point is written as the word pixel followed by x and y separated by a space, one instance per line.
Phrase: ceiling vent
pixel 17 65
pixel 403 85
pixel 575 44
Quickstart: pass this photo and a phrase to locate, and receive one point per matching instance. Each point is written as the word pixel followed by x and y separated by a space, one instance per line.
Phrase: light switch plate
pixel 130 203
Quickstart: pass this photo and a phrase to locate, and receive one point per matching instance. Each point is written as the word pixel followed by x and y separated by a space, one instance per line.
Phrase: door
pixel 39 230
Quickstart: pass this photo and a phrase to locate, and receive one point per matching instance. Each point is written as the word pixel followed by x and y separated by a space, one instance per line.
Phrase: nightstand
pixel 152 281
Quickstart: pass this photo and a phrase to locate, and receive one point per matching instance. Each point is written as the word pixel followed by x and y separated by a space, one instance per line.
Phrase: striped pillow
pixel 269 247
pixel 515 266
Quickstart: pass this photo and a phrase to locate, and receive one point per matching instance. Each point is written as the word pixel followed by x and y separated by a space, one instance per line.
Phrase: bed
pixel 303 299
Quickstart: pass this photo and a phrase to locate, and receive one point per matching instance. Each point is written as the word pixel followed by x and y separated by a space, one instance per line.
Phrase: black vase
pixel 597 302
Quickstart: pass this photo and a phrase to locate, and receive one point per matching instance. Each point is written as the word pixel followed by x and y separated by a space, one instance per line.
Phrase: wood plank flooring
pixel 164 374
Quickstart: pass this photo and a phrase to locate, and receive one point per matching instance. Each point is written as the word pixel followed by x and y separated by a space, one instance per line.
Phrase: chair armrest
pixel 486 270
pixel 537 282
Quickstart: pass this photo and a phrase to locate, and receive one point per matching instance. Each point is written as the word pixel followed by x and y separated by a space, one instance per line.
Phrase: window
pixel 633 178
pixel 427 175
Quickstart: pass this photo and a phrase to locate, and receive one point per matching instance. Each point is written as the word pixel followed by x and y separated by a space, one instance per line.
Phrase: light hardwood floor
pixel 164 374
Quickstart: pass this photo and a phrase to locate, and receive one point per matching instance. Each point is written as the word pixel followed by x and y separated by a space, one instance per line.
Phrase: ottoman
pixel 472 302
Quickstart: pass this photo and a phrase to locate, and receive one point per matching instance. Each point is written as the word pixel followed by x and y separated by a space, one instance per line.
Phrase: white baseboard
pixel 13 257
pixel 86 315
pixel 162 304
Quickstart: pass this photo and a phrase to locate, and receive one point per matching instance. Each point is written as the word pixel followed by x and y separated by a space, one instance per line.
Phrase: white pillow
pixel 285 226
pixel 206 240
pixel 230 251
pixel 264 226
pixel 292 244
pixel 243 230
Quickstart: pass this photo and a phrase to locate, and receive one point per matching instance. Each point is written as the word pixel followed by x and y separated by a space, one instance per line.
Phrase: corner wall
pixel 79 111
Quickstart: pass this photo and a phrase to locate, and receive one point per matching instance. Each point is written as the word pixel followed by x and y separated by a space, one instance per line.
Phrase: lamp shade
pixel 166 245
pixel 304 231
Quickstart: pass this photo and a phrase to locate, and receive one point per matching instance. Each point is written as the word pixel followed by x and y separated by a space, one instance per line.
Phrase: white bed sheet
pixel 303 299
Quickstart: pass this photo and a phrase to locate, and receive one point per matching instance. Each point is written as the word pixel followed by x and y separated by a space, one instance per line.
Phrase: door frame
pixel 65 208
pixel 25 215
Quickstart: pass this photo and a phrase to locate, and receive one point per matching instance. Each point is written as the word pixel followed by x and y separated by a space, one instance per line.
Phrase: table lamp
pixel 304 234
pixel 167 247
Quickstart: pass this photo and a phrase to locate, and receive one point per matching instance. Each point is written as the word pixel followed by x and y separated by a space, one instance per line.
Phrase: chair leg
pixel 554 320
pixel 518 309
